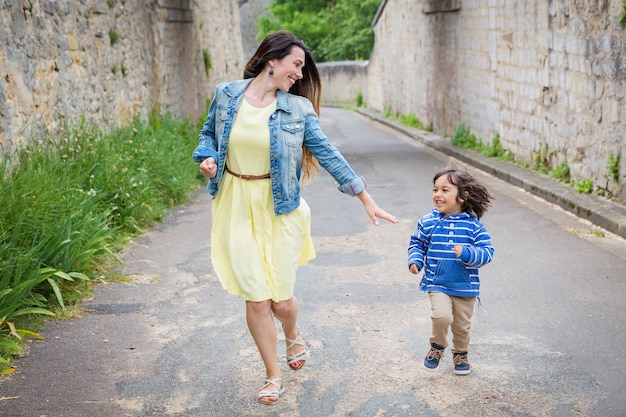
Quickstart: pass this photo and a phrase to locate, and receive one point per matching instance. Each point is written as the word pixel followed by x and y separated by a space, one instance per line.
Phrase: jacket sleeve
pixel 207 143
pixel 329 156
pixel 418 245
pixel 481 252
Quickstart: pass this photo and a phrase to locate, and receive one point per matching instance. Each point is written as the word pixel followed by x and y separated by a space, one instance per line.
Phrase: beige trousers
pixel 447 311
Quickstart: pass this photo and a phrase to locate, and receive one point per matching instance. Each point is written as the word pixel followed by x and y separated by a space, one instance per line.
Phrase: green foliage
pixel 68 206
pixel 359 102
pixel 622 20
pixel 539 161
pixel 495 150
pixel 561 172
pixel 114 36
pixel 410 120
pixel 206 57
pixel 387 112
pixel 334 30
pixel 584 187
pixel 407 120
pixel 613 165
pixel 463 138
pixel 413 121
pixel 507 156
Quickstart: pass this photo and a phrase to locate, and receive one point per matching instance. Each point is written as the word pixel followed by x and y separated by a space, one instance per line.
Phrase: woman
pixel 261 137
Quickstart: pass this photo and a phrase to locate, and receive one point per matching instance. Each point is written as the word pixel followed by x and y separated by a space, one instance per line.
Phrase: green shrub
pixel 359 102
pixel 584 187
pixel 561 172
pixel 463 138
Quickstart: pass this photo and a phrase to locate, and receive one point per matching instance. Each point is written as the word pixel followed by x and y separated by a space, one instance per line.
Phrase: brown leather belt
pixel 248 177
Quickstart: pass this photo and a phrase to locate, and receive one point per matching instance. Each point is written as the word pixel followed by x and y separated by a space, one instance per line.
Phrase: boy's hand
pixel 457 250
pixel 414 269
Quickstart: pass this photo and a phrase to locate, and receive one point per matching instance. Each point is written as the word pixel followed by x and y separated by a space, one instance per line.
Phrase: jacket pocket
pixel 293 133
pixel 452 274
pixel 222 113
pixel 221 117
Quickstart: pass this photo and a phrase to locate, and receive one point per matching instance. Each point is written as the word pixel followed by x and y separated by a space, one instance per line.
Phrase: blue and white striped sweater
pixel 432 244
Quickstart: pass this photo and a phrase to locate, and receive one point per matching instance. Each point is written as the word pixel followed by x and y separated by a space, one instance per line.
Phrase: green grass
pixel 68 206
pixel 410 120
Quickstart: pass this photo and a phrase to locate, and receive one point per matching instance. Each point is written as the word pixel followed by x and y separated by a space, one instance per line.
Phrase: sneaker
pixel 461 364
pixel 432 359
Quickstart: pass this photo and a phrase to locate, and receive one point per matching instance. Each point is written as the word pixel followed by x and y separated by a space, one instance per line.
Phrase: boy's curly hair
pixel 475 197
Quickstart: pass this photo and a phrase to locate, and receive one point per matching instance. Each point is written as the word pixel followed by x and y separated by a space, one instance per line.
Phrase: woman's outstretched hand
pixel 373 211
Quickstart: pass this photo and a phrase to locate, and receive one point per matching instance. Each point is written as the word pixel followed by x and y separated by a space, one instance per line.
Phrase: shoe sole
pixel 430 369
pixel 462 372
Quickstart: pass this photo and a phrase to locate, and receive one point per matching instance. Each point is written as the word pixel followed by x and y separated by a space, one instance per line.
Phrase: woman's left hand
pixel 373 211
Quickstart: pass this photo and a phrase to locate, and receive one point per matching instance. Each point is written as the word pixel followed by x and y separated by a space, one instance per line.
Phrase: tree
pixel 334 30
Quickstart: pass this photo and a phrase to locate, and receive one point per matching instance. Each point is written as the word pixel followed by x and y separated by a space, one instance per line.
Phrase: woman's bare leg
pixel 287 313
pixel 263 330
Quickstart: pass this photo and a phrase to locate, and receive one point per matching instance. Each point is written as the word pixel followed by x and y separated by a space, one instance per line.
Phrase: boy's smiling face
pixel 446 197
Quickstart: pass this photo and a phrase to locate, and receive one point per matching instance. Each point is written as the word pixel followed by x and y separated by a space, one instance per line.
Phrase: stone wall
pixel 547 76
pixel 110 60
pixel 343 81
pixel 249 13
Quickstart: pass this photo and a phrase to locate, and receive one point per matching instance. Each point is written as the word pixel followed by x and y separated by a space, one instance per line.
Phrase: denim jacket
pixel 293 124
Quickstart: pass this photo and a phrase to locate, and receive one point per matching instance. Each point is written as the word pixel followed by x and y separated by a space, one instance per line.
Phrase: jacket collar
pixel 237 88
pixel 438 215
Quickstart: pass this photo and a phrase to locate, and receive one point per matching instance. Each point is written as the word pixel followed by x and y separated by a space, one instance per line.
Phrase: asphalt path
pixel 547 340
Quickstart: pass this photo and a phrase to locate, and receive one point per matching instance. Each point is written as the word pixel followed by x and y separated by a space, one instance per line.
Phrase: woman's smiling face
pixel 446 197
pixel 288 70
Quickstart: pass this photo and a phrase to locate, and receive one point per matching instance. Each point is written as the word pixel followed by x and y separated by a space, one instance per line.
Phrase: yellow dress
pixel 256 254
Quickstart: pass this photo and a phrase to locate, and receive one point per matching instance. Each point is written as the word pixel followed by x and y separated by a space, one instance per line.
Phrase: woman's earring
pixel 271 71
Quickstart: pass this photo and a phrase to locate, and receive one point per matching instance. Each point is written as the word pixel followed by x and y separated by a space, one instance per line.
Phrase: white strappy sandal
pixel 264 393
pixel 301 356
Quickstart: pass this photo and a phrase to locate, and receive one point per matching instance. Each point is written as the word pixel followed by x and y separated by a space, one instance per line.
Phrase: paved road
pixel 548 339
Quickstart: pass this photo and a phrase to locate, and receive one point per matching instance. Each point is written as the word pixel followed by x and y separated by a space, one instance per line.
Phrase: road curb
pixel 598 210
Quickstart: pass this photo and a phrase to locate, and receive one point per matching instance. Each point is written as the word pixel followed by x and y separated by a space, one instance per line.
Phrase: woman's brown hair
pixel 277 45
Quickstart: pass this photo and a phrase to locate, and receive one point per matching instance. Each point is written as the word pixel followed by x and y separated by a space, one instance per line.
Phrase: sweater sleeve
pixel 418 245
pixel 481 253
